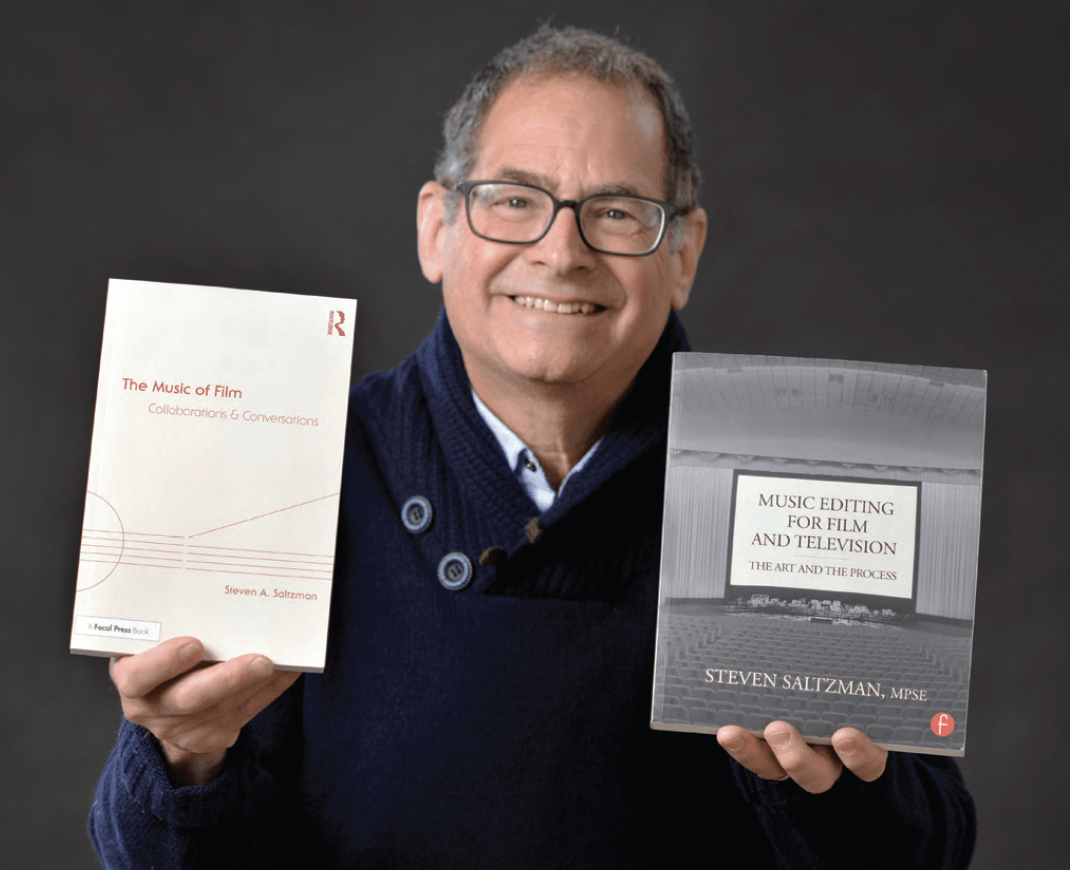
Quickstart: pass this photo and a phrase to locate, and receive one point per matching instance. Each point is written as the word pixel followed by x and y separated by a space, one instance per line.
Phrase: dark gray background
pixel 886 181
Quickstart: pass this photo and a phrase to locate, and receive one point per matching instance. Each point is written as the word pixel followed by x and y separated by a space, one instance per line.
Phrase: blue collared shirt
pixel 523 462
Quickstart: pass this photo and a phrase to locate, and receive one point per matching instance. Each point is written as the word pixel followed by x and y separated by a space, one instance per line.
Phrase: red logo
pixel 942 724
pixel 334 325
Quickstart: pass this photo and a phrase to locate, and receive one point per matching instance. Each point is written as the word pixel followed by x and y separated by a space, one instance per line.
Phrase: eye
pixel 509 201
pixel 613 213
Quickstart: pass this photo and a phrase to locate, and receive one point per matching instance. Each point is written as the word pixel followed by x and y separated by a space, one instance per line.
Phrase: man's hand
pixel 195 712
pixel 784 754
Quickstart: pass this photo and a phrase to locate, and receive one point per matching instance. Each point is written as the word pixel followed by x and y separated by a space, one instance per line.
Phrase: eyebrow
pixel 524 176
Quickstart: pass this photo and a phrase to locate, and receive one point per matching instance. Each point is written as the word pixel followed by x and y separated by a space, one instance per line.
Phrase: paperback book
pixel 819 548
pixel 212 499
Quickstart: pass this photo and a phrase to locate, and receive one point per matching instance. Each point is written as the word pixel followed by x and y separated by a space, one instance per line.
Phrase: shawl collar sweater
pixel 504 724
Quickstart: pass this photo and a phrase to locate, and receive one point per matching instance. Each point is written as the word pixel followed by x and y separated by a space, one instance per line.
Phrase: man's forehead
pixel 535 101
pixel 548 182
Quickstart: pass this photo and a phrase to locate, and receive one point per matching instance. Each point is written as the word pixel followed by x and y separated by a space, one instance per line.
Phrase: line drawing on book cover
pixel 107 544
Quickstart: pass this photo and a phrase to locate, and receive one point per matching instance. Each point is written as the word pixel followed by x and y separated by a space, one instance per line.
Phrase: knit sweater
pixel 504 723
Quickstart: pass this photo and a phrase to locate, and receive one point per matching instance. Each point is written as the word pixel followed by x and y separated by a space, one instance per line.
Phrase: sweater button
pixel 454 571
pixel 416 514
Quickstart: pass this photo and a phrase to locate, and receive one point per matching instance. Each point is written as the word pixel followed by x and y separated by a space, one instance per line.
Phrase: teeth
pixel 559 307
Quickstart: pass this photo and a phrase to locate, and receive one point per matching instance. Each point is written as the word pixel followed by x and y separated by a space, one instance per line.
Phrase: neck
pixel 558 422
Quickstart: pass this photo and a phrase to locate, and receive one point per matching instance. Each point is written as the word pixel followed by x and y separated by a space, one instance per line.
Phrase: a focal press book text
pixel 819 554
pixel 212 499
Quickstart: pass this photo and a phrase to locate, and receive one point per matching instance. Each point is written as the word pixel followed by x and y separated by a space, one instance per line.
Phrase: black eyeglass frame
pixel 668 209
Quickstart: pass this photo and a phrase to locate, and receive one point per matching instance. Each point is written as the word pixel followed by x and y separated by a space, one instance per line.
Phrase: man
pixel 486 698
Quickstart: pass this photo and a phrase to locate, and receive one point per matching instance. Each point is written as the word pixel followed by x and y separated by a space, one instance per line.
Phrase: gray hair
pixel 571 50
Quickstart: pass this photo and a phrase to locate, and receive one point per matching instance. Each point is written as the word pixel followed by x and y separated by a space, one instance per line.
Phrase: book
pixel 819 548
pixel 213 490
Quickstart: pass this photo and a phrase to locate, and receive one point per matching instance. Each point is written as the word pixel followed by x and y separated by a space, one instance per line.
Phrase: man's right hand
pixel 195 710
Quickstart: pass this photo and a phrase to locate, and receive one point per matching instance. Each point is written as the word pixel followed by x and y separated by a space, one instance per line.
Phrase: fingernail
pixel 734 745
pixel 847 747
pixel 778 739
pixel 261 668
pixel 188 651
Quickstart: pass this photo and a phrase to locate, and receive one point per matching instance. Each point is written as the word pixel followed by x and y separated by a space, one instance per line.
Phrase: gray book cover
pixel 819 548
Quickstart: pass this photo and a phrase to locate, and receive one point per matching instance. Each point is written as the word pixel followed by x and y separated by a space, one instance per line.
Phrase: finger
pixel 137 675
pixel 814 768
pixel 238 709
pixel 263 696
pixel 216 729
pixel 203 689
pixel 859 754
pixel 752 753
pixel 203 730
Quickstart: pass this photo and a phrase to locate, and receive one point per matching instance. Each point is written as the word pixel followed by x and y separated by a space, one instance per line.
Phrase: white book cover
pixel 213 490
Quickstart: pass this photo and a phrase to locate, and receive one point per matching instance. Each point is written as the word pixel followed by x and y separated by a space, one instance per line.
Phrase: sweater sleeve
pixel 918 814
pixel 243 818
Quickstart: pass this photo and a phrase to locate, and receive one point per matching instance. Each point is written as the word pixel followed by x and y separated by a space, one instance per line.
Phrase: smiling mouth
pixel 557 307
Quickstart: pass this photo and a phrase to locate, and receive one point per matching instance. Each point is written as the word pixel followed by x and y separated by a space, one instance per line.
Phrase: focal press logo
pixel 942 724
pixel 335 319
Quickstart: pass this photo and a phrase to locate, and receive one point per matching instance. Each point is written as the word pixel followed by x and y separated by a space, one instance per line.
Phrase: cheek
pixel 472 264
pixel 649 286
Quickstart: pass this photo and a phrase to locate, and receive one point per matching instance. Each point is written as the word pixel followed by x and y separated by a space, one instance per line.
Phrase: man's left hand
pixel 783 754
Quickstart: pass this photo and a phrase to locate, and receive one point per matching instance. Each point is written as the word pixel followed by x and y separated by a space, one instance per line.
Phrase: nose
pixel 563 248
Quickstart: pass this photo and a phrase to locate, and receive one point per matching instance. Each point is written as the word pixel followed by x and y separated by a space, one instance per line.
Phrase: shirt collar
pixel 636 428
pixel 525 465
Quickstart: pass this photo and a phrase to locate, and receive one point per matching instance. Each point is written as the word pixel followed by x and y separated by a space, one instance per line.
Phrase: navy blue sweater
pixel 504 724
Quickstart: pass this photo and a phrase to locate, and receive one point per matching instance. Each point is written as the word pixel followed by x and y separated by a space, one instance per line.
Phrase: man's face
pixel 556 312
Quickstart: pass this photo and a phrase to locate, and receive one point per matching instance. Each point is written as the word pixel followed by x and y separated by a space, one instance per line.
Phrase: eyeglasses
pixel 521 214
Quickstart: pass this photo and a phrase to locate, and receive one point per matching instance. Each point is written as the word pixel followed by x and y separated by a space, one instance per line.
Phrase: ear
pixel 685 260
pixel 431 229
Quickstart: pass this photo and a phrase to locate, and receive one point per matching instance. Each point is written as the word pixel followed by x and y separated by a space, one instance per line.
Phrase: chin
pixel 537 366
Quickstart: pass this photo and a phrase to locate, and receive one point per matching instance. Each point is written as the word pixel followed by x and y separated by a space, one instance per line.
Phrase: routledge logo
pixel 335 319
